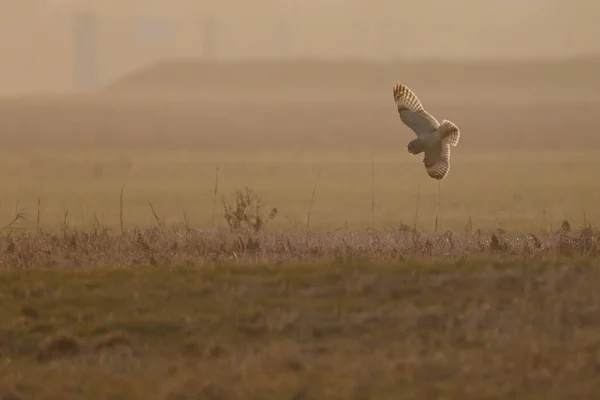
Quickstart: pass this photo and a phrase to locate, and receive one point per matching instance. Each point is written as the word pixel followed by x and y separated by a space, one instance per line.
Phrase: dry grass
pixel 174 246
pixel 391 330
pixel 243 312
pixel 244 238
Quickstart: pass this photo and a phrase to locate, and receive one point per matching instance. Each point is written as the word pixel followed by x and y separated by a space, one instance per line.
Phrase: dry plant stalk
pixel 121 210
pixel 97 222
pixel 212 220
pixel 154 214
pixel 312 199
pixel 373 189
pixel 38 216
pixel 65 224
pixel 417 207
pixel 12 225
pixel 512 208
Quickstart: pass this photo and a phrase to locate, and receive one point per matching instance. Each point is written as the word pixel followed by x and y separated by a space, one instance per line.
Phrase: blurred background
pixel 154 96
pixel 66 45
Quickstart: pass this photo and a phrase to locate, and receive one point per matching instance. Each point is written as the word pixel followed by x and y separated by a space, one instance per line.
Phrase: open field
pixel 527 191
pixel 483 330
pixel 121 276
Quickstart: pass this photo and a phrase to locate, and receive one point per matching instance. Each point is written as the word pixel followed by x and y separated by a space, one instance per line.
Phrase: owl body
pixel 433 139
pixel 417 146
pixel 425 141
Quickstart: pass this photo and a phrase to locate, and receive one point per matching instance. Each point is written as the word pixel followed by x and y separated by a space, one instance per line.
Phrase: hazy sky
pixel 36 38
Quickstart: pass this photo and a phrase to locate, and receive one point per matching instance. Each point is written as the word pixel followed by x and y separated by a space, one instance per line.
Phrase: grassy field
pixel 461 330
pixel 353 191
pixel 124 273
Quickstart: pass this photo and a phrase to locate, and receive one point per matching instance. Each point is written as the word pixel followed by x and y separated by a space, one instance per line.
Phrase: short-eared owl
pixel 433 138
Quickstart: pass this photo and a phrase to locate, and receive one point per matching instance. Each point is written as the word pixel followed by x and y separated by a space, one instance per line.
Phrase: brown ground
pixel 462 330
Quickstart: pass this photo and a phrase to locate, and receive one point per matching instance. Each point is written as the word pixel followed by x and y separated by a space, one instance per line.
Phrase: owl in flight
pixel 433 139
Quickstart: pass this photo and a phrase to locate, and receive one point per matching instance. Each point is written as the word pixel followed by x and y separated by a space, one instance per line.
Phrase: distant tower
pixel 85 50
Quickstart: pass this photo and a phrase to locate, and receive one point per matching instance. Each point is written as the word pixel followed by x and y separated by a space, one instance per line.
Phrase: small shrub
pixel 245 211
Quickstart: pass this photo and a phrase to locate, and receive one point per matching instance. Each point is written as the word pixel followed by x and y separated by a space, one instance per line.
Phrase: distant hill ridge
pixel 192 75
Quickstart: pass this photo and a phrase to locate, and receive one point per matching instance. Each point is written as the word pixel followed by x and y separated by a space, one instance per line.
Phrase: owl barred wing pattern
pixel 406 99
pixel 433 138
pixel 449 132
pixel 437 160
pixel 411 111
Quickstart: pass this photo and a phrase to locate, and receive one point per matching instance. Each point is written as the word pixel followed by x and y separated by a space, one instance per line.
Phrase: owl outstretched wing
pixel 437 160
pixel 411 111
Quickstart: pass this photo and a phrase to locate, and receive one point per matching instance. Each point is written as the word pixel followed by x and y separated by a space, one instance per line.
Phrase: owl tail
pixel 448 132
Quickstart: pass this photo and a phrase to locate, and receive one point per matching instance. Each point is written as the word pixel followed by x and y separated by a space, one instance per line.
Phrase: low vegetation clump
pixel 178 245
